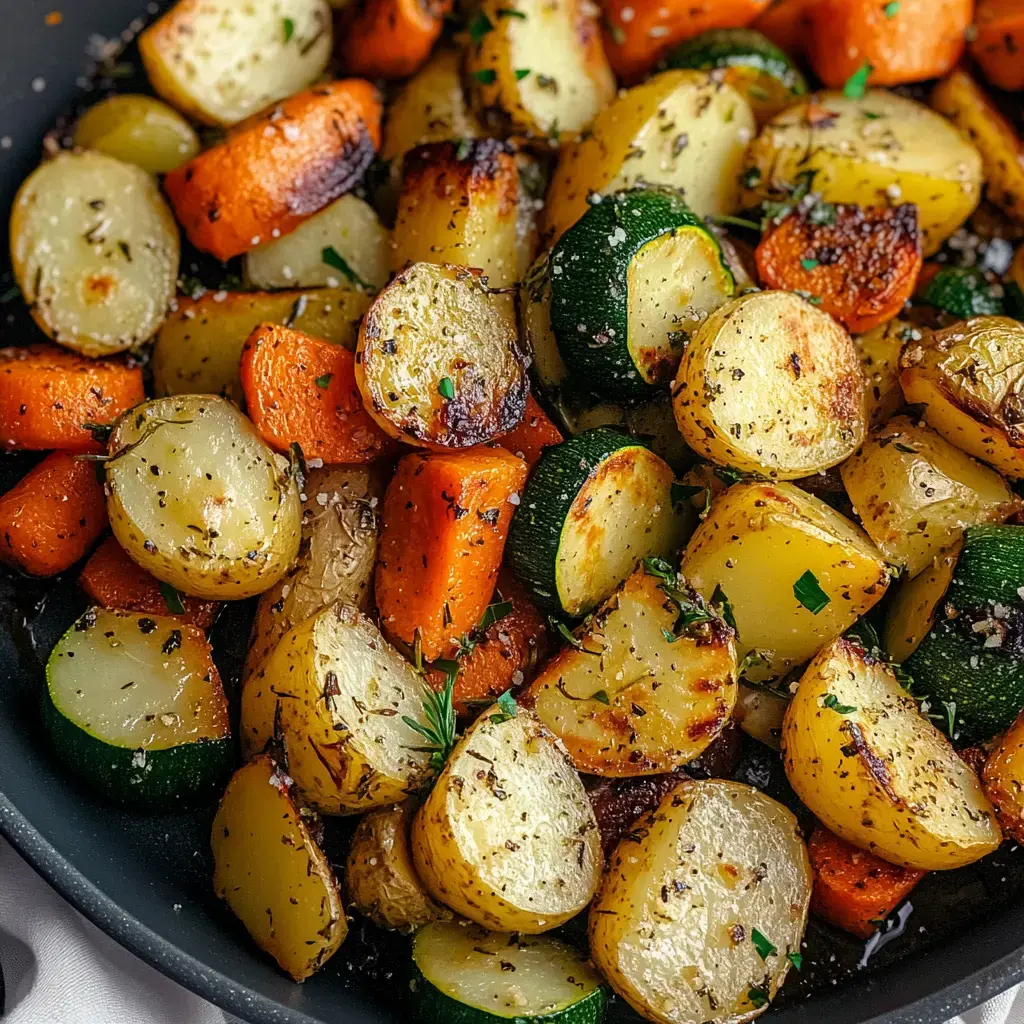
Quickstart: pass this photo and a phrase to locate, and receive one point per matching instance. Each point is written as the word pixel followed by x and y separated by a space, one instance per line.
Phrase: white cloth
pixel 60 969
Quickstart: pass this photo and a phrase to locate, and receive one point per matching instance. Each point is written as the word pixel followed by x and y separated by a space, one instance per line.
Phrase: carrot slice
pixel 47 394
pixel 52 516
pixel 278 168
pixel 301 389
pixel 861 267
pixel 999 45
pixel 916 40
pixel 389 38
pixel 534 433
pixel 638 32
pixel 444 522
pixel 111 579
pixel 854 889
pixel 787 24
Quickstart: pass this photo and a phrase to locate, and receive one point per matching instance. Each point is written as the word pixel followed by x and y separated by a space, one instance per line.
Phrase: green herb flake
pixel 796 959
pixel 870 115
pixel 445 388
pixel 333 258
pixel 892 8
pixel 463 147
pixel 486 76
pixel 601 697
pixel 856 85
pixel 507 708
pixel 758 997
pixel 764 946
pixel 830 700
pixel 521 73
pixel 171 598
pixel 479 27
pixel 494 613
pixel 807 590
pixel 324 380
pixel 721 602
pixel 511 12
pixel 10 295
pixel 809 264
pixel 438 729
pixel 289 29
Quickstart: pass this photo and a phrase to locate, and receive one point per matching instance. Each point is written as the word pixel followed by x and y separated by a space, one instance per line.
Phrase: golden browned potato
pixel 877 772
pixel 1003 779
pixel 916 604
pixel 270 871
pixel 879 350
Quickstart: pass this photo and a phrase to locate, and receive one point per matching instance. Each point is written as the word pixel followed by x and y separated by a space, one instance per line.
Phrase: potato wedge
pixel 270 871
pixel 760 710
pixel 95 251
pixel 1003 780
pixel 680 128
pixel 198 348
pixel 970 378
pixel 459 205
pixel 439 362
pixel 380 878
pixel 863 758
pixel 795 572
pixel 333 694
pixel 197 499
pixel 507 836
pixel 335 560
pixel 869 152
pixel 916 604
pixel 644 689
pixel 218 61
pixel 344 244
pixel 879 350
pixel 558 44
pixel 673 926
pixel 768 384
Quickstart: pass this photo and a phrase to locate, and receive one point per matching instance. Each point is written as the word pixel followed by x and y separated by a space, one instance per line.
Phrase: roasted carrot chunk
pixel 787 23
pixel 52 516
pixel 854 889
pixel 111 579
pixel 534 433
pixel 389 38
pixel 999 45
pixel 278 168
pixel 301 389
pixel 47 394
pixel 444 523
pixel 861 267
pixel 916 40
pixel 639 32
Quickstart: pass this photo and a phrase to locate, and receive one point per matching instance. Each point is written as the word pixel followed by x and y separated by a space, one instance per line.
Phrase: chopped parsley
pixel 289 29
pixel 486 76
pixel 809 264
pixel 856 85
pixel 521 73
pixel 892 8
pixel 333 258
pixel 494 613
pixel 764 946
pixel 720 601
pixel 758 997
pixel 507 708
pixel 463 147
pixel 510 12
pixel 324 380
pixel 171 598
pixel 445 388
pixel 751 177
pixel 479 27
pixel 601 697
pixel 690 611
pixel 796 959
pixel 808 592
pixel 830 700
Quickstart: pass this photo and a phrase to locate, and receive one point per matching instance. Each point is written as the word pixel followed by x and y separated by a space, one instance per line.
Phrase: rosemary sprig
pixel 439 728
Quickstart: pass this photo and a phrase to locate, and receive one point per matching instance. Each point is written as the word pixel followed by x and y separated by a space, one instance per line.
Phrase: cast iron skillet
pixel 145 879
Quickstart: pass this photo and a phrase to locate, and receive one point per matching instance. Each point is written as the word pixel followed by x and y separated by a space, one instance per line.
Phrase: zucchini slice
pixel 593 507
pixel 467 975
pixel 962 291
pixel 630 280
pixel 134 706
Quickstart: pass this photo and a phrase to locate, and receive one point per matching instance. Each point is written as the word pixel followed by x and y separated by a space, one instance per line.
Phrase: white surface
pixel 60 969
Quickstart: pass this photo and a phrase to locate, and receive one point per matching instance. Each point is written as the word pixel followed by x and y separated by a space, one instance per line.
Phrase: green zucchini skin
pixel 962 291
pixel 737 47
pixel 589 269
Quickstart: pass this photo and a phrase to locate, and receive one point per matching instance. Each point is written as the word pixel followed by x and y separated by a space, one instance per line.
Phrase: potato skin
pixel 1003 780
pixel 913 611
pixel 879 350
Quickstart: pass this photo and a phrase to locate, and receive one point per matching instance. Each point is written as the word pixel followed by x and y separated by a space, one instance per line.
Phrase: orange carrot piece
pixel 639 32
pixel 52 516
pixel 444 522
pixel 922 39
pixel 999 45
pixel 47 394
pixel 534 433
pixel 389 38
pixel 861 268
pixel 278 168
pixel 854 889
pixel 787 23
pixel 301 389
pixel 111 579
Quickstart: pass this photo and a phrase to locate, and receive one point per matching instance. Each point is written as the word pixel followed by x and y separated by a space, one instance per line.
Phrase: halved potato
pixel 863 758
pixel 768 384
pixel 916 604
pixel 879 350
pixel 641 691
pixel 459 205
pixel 270 871
pixel 970 378
pixel 688 891
pixel 334 694
pixel 439 363
pixel 507 836
pixel 680 128
pixel 198 348
pixel 795 572
pixel 380 878
pixel 1003 780
pixel 344 244
pixel 95 252
pixel 198 499
pixel 219 61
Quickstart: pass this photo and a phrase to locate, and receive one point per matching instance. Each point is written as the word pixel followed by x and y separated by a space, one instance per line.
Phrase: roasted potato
pixel 794 572
pixel 1003 780
pixel 380 878
pixel 270 871
pixel 879 350
pixel 869 152
pixel 760 710
pixel 863 758
pixel 197 499
pixel 768 384
pixel 218 61
pixel 916 604
pixel 675 925
pixel 95 252
pixel 507 836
